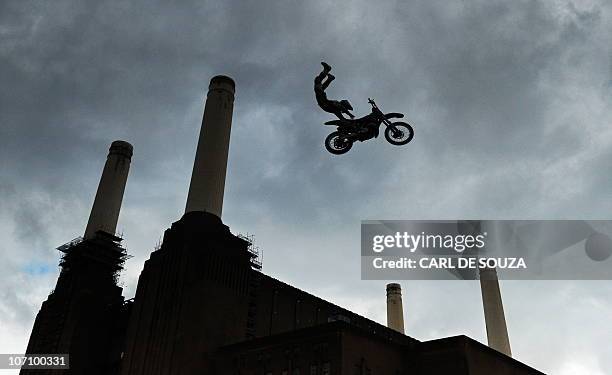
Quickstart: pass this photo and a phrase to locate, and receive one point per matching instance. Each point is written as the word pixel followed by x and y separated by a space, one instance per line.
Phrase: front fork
pixel 389 124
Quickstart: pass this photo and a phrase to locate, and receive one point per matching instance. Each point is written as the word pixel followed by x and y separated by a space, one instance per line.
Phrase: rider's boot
pixel 326 66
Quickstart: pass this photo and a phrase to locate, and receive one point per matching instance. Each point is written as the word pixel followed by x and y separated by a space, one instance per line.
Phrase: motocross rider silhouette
pixel 337 107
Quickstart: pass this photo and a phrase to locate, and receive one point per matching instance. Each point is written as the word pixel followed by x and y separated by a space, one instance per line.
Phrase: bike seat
pixel 337 122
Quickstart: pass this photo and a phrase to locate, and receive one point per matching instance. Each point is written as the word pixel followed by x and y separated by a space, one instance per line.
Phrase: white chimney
pixel 495 320
pixel 395 311
pixel 107 204
pixel 210 165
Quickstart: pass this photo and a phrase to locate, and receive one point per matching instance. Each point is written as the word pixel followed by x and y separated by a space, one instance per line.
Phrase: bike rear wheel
pixel 400 134
pixel 337 143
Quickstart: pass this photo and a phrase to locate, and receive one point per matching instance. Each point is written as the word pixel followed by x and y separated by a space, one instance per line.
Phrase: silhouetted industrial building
pixel 203 306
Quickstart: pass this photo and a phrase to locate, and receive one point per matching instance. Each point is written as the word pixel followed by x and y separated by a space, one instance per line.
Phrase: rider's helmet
pixel 346 105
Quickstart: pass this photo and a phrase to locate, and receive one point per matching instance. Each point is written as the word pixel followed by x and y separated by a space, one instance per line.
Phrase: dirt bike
pixel 367 127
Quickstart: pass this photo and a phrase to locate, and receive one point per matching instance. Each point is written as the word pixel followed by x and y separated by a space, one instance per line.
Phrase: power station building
pixel 203 306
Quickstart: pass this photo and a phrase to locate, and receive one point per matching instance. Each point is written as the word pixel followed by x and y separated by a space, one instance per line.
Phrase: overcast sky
pixel 510 101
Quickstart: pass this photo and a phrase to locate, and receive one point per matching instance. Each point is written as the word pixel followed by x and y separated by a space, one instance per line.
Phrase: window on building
pixel 326 368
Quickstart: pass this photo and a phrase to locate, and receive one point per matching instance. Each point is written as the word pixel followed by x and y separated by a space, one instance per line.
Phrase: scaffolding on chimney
pixel 254 283
pixel 104 249
pixel 257 258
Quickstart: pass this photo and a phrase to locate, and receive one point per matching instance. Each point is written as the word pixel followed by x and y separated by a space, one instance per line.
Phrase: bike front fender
pixel 393 115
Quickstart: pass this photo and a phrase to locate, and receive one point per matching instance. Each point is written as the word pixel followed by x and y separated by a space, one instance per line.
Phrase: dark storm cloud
pixel 510 101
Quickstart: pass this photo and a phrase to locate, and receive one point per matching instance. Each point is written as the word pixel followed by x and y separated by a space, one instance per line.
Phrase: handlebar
pixel 371 101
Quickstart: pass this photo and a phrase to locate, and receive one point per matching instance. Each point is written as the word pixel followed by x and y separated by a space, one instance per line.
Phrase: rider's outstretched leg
pixel 329 80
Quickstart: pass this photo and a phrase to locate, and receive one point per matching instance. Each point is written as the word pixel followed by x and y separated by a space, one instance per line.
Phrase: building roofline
pixel 334 326
pixel 348 313
pixel 465 340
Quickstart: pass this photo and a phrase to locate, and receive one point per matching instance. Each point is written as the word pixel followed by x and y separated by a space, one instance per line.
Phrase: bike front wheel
pixel 337 143
pixel 399 133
